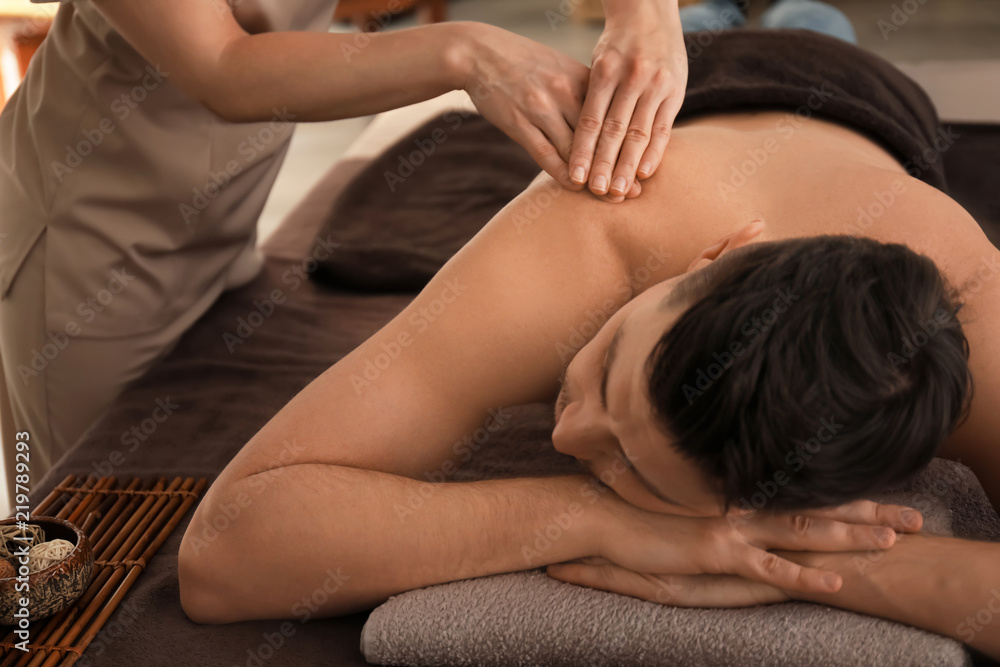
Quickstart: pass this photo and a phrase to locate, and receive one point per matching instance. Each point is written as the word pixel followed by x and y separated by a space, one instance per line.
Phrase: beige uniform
pixel 126 209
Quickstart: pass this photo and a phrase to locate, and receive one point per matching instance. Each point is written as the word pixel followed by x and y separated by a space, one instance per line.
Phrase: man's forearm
pixel 942 584
pixel 267 546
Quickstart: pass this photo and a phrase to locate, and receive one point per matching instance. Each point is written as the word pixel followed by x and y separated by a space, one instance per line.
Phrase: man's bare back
pixel 511 303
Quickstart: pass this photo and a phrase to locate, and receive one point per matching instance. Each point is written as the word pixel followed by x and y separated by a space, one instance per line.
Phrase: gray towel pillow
pixel 528 618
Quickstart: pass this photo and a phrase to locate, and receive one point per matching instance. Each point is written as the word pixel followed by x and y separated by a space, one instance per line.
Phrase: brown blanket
pixel 817 75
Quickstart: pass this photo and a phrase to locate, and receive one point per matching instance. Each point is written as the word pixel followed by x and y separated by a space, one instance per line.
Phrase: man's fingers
pixel 606 577
pixel 769 568
pixel 801 532
pixel 588 560
pixel 610 577
pixel 701 590
pixel 659 135
pixel 899 517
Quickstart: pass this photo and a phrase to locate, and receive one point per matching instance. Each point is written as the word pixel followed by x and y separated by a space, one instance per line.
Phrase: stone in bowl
pixel 54 588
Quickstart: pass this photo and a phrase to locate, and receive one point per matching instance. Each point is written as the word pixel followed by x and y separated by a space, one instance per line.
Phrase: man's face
pixel 618 439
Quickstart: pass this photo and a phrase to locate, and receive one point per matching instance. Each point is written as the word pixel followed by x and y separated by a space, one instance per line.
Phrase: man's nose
pixel 578 435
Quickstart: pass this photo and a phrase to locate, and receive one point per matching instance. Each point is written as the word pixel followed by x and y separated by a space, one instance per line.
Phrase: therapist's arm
pixel 528 90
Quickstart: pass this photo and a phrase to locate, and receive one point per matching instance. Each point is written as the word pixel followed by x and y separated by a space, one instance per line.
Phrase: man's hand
pixel 637 83
pixel 941 584
pixel 677 590
pixel 640 542
pixel 530 91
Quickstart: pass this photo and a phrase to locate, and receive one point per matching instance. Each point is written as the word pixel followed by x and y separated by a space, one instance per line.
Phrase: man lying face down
pixel 787 375
pixel 767 360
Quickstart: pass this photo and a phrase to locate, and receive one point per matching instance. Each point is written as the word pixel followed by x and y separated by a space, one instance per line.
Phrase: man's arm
pixel 491 329
pixel 942 584
pixel 313 540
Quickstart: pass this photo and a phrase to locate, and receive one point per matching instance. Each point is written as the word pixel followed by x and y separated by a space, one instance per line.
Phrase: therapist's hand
pixel 530 91
pixel 637 84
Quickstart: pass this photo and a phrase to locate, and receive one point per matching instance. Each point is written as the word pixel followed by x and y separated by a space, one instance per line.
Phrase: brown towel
pixel 816 75
pixel 407 212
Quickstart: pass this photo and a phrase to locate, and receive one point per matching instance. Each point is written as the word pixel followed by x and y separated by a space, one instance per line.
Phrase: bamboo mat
pixel 126 526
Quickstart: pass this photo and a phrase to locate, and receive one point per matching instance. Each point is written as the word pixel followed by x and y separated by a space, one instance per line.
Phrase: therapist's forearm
pixel 328 76
pixel 942 584
pixel 620 12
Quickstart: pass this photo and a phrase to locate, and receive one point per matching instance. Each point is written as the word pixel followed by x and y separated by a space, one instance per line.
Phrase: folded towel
pixel 527 618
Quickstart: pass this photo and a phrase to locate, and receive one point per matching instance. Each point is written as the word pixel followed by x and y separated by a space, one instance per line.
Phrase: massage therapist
pixel 130 107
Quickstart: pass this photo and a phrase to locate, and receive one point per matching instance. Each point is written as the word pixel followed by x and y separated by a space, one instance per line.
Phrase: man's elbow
pixel 202 597
pixel 208 567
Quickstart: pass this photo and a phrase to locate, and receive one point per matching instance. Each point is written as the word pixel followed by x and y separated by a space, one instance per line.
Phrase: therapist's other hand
pixel 637 83
pixel 530 91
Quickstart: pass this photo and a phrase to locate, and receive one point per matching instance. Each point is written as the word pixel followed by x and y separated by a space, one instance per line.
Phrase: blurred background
pixel 952 47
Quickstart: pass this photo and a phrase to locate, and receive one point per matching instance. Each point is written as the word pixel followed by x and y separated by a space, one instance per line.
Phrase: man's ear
pixel 740 237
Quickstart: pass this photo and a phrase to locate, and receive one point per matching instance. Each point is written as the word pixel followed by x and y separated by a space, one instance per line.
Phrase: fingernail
pixel 884 537
pixel 600 184
pixel 579 175
pixel 645 168
pixel 830 580
pixel 619 185
pixel 909 517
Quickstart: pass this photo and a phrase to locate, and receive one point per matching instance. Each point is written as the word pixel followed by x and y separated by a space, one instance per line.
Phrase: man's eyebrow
pixel 609 357
pixel 645 482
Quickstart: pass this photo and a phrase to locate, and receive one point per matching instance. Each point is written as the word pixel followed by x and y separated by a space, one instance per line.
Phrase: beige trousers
pixel 55 386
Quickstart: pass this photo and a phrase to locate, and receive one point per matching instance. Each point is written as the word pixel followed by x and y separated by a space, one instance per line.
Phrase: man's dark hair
pixel 811 371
